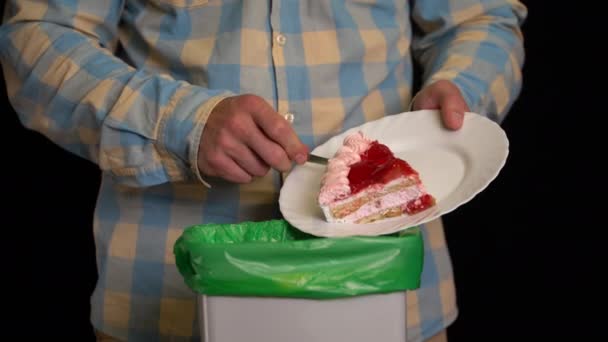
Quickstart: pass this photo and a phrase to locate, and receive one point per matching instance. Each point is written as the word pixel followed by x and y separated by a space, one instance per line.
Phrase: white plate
pixel 454 166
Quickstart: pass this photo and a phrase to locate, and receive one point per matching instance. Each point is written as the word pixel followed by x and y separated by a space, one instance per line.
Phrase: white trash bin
pixel 258 281
pixel 366 318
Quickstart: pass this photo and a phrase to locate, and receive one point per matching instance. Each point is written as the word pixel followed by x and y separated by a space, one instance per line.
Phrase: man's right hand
pixel 244 137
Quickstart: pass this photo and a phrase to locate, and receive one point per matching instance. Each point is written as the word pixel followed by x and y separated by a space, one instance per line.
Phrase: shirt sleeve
pixel 64 82
pixel 477 44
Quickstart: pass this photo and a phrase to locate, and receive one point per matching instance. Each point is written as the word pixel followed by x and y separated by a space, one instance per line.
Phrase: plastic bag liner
pixel 271 258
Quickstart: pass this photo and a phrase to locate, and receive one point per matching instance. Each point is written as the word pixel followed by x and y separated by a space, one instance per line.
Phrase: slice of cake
pixel 365 182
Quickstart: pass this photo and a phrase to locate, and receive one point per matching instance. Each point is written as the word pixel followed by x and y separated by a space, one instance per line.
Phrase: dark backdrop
pixel 526 251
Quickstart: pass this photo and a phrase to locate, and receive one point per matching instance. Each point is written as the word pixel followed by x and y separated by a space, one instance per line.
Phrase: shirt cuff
pixel 197 132
pixel 181 129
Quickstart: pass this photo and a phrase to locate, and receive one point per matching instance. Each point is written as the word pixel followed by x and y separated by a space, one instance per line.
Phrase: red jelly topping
pixel 377 165
pixel 420 204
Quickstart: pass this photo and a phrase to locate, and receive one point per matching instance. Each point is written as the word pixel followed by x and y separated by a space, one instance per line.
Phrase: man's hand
pixel 446 97
pixel 244 137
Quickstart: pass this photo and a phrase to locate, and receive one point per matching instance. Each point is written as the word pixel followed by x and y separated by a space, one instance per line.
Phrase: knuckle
pixel 249 101
pixel 279 128
pixel 237 126
pixel 455 101
pixel 224 141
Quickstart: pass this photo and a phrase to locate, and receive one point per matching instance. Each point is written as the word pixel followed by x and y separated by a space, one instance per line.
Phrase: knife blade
pixel 317 159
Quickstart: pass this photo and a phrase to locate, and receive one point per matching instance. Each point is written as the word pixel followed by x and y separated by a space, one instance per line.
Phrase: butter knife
pixel 312 158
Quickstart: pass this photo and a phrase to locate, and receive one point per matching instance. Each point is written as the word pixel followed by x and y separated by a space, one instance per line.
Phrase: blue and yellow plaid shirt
pixel 128 84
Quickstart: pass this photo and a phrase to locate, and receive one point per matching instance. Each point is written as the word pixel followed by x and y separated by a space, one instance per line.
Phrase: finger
pixel 266 150
pixel 452 108
pixel 234 173
pixel 249 161
pixel 280 131
pixel 272 153
pixel 223 166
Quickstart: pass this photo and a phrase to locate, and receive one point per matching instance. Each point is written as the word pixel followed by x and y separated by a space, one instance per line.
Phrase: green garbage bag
pixel 272 258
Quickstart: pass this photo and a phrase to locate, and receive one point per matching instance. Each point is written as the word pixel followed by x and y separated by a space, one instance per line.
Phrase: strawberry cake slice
pixel 365 182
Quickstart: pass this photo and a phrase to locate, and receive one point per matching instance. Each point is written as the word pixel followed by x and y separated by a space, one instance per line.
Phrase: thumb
pixel 445 96
pixel 452 107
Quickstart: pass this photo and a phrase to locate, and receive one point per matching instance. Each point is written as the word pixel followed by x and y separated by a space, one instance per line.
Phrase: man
pixel 193 110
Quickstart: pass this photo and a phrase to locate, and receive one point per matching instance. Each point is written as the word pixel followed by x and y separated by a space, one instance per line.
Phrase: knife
pixel 312 158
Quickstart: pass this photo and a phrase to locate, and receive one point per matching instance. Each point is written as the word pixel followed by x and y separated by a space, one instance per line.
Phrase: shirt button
pixel 281 39
pixel 289 117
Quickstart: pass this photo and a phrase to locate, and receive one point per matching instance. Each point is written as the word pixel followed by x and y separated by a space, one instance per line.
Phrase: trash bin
pixel 267 281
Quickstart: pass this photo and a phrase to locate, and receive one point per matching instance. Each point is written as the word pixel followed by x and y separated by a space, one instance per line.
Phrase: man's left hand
pixel 446 97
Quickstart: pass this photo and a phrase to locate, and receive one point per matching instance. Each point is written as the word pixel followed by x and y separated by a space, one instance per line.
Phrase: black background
pixel 527 252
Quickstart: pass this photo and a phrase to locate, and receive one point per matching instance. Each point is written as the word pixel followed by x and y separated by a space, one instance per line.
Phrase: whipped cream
pixel 335 184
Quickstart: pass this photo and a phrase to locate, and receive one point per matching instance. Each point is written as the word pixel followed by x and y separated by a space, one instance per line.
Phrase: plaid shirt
pixel 128 84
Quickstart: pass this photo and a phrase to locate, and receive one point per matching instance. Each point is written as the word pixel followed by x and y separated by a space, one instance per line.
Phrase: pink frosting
pixel 334 183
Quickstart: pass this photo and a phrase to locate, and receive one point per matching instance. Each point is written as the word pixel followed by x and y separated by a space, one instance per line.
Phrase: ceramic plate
pixel 454 166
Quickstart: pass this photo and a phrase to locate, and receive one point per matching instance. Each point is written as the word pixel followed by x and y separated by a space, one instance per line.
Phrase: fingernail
pixel 300 158
pixel 459 116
